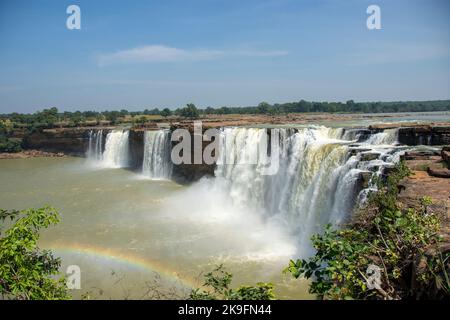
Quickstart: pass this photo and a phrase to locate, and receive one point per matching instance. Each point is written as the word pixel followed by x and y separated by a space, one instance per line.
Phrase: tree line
pixel 52 116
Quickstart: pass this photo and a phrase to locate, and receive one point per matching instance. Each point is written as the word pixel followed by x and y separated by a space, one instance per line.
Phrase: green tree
pixel 46 117
pixel 6 126
pixel 10 144
pixel 190 111
pixel 210 110
pixel 217 287
pixel 27 272
pixel 112 116
pixel 263 107
pixel 166 112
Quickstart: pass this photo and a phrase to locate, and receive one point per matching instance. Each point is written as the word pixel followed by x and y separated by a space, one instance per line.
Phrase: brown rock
pixel 444 173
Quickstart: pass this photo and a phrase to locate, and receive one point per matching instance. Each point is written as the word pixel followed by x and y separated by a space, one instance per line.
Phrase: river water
pixel 129 234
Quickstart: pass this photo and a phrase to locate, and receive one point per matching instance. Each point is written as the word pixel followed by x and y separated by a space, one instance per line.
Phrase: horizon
pixel 146 55
pixel 203 108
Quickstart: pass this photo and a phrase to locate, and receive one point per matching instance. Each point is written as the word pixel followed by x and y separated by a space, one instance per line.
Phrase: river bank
pixel 31 154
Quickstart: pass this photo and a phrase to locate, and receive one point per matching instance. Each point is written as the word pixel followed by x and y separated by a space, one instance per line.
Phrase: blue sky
pixel 144 54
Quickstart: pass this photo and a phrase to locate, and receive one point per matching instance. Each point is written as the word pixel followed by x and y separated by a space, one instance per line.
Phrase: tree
pixel 140 120
pixel 210 110
pixel 27 272
pixel 46 117
pixel 6 126
pixel 112 116
pixel 263 107
pixel 166 112
pixel 190 111
pixel 10 144
pixel 217 285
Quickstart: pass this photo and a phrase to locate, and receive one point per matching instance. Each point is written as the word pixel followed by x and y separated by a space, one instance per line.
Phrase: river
pixel 128 233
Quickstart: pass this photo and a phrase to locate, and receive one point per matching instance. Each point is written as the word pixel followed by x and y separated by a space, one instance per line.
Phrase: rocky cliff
pixel 70 141
pixel 418 134
pixel 75 142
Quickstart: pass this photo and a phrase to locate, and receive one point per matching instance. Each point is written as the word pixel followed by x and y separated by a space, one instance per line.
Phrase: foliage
pixel 334 107
pixel 217 285
pixel 166 112
pixel 140 121
pixel 10 144
pixel 49 118
pixel 6 127
pixel 26 272
pixel 190 111
pixel 403 243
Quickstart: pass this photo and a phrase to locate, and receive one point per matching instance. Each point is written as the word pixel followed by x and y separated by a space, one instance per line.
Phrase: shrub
pixel 26 272
pixel 10 144
pixel 190 111
pixel 217 287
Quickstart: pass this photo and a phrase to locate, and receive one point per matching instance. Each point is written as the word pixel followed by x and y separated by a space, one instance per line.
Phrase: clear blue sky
pixel 143 54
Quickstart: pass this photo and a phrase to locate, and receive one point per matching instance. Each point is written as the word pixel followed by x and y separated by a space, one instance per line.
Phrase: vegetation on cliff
pixel 27 272
pixel 11 145
pixel 402 243
pixel 8 144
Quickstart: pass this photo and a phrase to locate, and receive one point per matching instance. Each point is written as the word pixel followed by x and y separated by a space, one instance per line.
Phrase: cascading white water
pixel 116 150
pixel 386 137
pixel 157 147
pixel 95 145
pixel 316 182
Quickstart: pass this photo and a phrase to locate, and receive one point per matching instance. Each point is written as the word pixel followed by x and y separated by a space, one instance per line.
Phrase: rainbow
pixel 129 259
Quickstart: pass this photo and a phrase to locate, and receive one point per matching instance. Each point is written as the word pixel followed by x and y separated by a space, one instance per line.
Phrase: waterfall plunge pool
pixel 130 234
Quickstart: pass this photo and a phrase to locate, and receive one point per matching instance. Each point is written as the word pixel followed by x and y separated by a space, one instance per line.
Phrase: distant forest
pixel 50 117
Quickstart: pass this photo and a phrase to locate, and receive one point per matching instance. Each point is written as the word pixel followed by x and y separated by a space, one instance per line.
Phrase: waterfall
pixel 95 145
pixel 386 137
pixel 157 147
pixel 316 183
pixel 116 150
pixel 321 175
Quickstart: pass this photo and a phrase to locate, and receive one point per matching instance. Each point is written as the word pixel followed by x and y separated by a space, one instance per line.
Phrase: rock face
pixel 369 156
pixel 136 145
pixel 439 173
pixel 186 173
pixel 445 154
pixel 75 141
pixel 419 155
pixel 424 135
pixel 69 141
pixel 364 180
